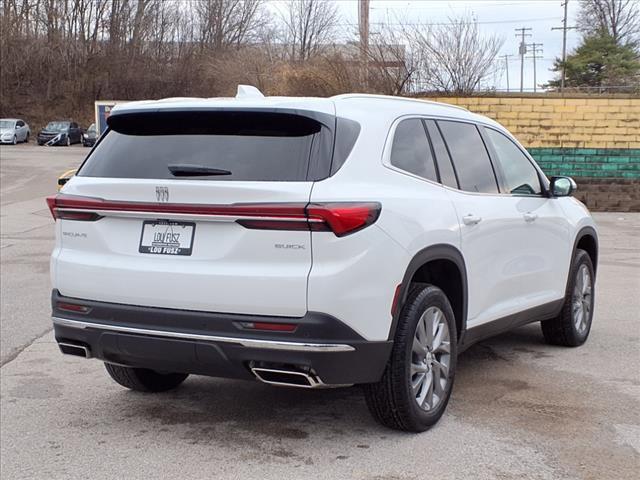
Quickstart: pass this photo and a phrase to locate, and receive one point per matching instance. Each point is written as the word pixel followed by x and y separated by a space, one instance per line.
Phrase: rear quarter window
pixel 411 151
pixel 250 146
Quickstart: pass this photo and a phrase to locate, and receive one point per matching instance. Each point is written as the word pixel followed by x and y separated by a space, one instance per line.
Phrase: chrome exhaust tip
pixel 74 349
pixel 287 378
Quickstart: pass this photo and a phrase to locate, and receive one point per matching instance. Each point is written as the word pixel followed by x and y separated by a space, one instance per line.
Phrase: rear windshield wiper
pixel 188 170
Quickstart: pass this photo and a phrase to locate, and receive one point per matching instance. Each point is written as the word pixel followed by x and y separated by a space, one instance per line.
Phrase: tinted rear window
pixel 470 157
pixel 251 146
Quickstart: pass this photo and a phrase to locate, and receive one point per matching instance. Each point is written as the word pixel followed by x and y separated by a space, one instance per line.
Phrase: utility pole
pixel 535 50
pixel 506 64
pixel 363 25
pixel 564 29
pixel 522 50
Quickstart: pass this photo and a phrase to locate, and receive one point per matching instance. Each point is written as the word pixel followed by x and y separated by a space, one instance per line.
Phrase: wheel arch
pixel 587 240
pixel 440 258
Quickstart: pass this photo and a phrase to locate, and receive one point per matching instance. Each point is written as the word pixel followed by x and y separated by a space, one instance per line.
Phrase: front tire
pixel 572 326
pixel 417 382
pixel 144 380
pixel 68 144
pixel 15 140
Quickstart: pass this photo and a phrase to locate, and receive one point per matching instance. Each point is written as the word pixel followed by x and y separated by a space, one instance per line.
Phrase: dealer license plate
pixel 166 237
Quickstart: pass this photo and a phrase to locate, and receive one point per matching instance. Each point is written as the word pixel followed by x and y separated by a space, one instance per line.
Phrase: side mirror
pixel 562 186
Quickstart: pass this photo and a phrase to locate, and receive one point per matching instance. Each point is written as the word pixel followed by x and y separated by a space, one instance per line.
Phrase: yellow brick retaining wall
pixel 581 137
pixel 562 122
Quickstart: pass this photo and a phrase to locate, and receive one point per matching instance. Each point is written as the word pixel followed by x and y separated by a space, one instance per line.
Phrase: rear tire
pixel 144 380
pixel 399 400
pixel 572 326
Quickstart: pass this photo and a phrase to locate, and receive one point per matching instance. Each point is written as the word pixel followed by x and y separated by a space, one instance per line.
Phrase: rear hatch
pixel 196 210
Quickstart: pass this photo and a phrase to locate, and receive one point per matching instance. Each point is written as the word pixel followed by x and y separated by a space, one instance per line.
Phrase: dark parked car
pixel 60 133
pixel 90 136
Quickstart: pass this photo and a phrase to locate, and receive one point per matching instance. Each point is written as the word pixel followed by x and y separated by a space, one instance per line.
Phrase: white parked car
pixel 313 242
pixel 14 130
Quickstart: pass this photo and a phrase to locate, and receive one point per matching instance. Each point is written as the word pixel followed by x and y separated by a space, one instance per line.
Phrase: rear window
pixel 218 145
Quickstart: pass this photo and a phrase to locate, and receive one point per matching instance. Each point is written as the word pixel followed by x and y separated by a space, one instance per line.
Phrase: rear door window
pixel 411 151
pixel 213 145
pixel 469 156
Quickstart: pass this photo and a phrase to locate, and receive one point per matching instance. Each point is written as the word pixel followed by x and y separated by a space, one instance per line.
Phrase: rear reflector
pixel 269 327
pixel 72 307
pixel 340 218
pixel 396 298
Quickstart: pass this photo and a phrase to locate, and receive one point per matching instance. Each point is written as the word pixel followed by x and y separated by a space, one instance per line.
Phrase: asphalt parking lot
pixel 520 408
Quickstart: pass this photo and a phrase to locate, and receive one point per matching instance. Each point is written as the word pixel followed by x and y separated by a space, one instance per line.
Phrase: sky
pixel 494 16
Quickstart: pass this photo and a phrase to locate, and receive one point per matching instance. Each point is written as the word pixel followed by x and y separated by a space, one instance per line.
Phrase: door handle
pixel 530 217
pixel 471 219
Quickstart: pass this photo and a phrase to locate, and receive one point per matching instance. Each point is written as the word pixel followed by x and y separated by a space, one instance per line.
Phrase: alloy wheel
pixel 581 300
pixel 430 359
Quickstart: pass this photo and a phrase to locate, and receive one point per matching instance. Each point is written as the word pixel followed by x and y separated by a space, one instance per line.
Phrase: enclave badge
pixel 162 194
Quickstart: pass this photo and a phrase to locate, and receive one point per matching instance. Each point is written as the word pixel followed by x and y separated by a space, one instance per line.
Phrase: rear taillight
pixel 340 218
pixel 64 207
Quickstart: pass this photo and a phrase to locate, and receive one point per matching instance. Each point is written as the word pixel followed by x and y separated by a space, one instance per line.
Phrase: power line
pixel 475 5
pixel 445 24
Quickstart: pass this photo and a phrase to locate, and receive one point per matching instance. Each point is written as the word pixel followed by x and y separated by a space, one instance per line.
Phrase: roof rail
pixel 346 96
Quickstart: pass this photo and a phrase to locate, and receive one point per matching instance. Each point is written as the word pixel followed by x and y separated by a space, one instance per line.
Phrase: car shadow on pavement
pixel 207 409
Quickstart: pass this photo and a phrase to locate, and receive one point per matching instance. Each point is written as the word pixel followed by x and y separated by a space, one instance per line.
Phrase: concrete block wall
pixel 592 139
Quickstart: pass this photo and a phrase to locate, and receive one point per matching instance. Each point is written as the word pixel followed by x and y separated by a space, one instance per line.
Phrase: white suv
pixel 313 242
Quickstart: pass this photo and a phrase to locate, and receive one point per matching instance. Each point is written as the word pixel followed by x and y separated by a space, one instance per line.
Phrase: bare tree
pixel 454 58
pixel 224 23
pixel 308 25
pixel 618 18
pixel 388 62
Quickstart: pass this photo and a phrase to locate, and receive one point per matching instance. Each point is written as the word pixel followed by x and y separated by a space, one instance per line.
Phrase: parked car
pixel 314 243
pixel 14 130
pixel 60 133
pixel 90 136
pixel 65 177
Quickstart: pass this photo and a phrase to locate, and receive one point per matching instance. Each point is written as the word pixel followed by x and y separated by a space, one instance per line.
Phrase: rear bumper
pixel 215 344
